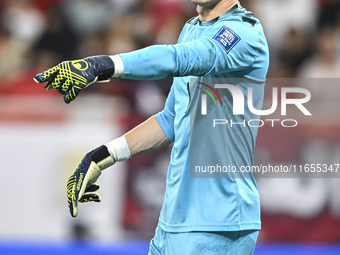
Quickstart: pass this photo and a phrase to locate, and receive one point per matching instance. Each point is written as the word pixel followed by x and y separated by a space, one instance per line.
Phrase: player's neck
pixel 207 13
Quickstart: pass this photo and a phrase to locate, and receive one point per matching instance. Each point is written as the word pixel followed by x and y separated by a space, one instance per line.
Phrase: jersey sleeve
pixel 166 117
pixel 226 47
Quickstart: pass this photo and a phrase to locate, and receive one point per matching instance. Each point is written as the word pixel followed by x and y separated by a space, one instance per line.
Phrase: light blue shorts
pixel 203 243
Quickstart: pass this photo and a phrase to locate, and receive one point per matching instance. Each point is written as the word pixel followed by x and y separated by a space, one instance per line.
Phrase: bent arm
pixel 146 137
pixel 154 133
pixel 151 135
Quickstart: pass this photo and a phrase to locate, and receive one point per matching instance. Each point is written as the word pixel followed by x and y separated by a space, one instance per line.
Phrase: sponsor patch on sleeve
pixel 227 38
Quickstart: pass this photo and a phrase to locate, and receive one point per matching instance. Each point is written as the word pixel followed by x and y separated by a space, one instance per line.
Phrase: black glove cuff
pixel 104 65
pixel 100 154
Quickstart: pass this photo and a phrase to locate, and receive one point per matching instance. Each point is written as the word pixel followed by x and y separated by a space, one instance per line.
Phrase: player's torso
pixel 226 209
pixel 183 89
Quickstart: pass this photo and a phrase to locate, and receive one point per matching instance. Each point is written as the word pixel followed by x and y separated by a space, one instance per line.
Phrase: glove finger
pixel 92 188
pixel 82 174
pixel 72 94
pixel 45 76
pixel 39 79
pixel 51 80
pixel 48 86
pixel 73 206
pixel 71 201
pixel 59 84
pixel 85 175
pixel 90 197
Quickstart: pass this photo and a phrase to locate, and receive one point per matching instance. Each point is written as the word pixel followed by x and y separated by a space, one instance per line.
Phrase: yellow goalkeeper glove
pixel 70 77
pixel 81 185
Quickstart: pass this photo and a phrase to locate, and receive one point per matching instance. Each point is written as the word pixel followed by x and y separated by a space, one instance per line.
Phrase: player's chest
pixel 191 33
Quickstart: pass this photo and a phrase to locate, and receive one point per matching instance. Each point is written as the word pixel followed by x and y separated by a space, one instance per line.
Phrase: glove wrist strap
pixel 119 65
pixel 106 67
pixel 119 149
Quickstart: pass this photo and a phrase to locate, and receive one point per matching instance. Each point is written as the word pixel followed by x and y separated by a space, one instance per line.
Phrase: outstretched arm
pixel 207 55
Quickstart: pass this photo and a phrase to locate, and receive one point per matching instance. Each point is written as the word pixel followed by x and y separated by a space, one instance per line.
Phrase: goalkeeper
pixel 199 215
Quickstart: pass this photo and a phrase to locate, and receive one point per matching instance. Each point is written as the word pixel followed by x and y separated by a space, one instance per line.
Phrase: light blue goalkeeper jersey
pixel 231 46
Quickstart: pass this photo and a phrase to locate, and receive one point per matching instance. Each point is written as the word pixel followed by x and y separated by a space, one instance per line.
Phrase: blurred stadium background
pixel 42 139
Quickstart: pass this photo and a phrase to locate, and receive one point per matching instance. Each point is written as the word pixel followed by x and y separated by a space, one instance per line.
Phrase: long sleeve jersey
pixel 231 48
